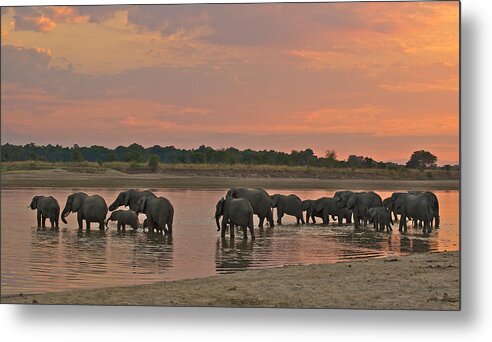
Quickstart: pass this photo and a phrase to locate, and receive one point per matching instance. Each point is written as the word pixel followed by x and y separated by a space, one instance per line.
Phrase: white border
pixel 86 323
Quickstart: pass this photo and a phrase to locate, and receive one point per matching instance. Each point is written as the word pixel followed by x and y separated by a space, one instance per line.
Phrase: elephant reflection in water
pixel 233 255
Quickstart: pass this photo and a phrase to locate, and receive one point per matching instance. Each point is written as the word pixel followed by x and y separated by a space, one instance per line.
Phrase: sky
pixel 372 79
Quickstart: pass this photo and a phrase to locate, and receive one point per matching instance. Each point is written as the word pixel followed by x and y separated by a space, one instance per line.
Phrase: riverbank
pixel 116 179
pixel 427 281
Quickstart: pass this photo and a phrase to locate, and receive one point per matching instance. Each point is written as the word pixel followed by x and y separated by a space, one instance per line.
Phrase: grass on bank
pixel 237 170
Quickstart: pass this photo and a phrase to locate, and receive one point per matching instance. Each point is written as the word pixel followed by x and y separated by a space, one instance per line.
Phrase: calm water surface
pixel 44 260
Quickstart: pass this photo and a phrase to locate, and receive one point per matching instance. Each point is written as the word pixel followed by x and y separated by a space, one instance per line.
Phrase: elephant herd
pixel 240 204
pixel 159 210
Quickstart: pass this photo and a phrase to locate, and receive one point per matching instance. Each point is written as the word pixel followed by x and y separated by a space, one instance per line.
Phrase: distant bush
pixel 154 162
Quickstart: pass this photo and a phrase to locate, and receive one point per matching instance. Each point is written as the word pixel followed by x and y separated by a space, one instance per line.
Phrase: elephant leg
pixel 252 231
pixel 270 218
pixel 79 220
pixel 245 232
pixel 223 227
pixel 302 219
pixel 313 218
pixel 429 227
pixel 38 217
pixel 123 227
pixel 279 216
pixel 43 221
pixel 170 227
pixel 356 220
pixel 232 231
pixel 262 219
pixel 87 224
pixel 101 225
pixel 118 226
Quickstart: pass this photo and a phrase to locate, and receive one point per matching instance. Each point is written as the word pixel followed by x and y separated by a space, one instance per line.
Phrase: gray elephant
pixel 260 202
pixel 417 207
pixel 287 204
pixel 47 208
pixel 387 205
pixel 89 208
pixel 358 203
pixel 124 218
pixel 235 212
pixel 323 207
pixel 159 211
pixel 434 203
pixel 305 206
pixel 380 217
pixel 130 199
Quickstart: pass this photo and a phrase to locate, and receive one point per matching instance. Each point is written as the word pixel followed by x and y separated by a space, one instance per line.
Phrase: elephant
pixel 290 205
pixel 47 208
pixel 260 202
pixel 305 205
pixel 417 207
pixel 323 207
pixel 387 205
pixel 380 217
pixel 89 208
pixel 159 211
pixel 434 203
pixel 236 212
pixel 358 203
pixel 123 218
pixel 130 199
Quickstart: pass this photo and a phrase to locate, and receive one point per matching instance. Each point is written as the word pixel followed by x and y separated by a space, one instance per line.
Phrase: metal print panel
pixel 296 155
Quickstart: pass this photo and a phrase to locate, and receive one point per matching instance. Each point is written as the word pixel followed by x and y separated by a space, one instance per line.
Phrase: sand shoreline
pixel 60 178
pixel 427 281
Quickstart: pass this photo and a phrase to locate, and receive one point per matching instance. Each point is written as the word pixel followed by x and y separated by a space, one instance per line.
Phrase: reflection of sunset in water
pixel 43 260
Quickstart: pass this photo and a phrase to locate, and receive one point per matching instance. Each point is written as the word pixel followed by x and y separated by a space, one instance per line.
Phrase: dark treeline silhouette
pixel 203 155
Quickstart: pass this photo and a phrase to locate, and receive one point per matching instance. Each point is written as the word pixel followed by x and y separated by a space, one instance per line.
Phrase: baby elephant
pixel 47 207
pixel 123 218
pixel 381 217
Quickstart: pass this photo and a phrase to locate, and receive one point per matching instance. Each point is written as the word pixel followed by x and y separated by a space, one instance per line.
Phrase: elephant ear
pixel 143 204
pixel 126 199
pixel 306 205
pixel 34 202
pixel 274 200
pixel 222 204
pixel 76 202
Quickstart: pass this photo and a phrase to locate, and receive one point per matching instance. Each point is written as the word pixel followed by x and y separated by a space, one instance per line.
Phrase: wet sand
pixel 427 281
pixel 116 179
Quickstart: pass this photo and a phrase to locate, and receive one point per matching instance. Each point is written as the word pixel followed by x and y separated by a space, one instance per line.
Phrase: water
pixel 44 260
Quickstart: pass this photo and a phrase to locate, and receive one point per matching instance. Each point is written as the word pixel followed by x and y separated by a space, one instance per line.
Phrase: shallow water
pixel 44 260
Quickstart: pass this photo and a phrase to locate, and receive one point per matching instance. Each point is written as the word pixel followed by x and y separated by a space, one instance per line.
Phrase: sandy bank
pixel 420 281
pixel 115 179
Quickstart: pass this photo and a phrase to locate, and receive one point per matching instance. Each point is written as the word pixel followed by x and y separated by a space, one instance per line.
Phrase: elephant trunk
pixel 107 223
pixel 64 214
pixel 217 222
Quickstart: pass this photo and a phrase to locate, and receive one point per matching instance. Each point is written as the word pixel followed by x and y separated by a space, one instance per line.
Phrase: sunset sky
pixel 372 79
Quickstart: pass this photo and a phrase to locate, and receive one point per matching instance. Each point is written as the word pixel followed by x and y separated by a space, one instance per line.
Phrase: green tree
pixel 77 155
pixel 153 162
pixel 355 161
pixel 422 160
pixel 331 155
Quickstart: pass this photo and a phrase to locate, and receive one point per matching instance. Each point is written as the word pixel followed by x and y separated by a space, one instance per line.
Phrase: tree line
pixel 154 155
